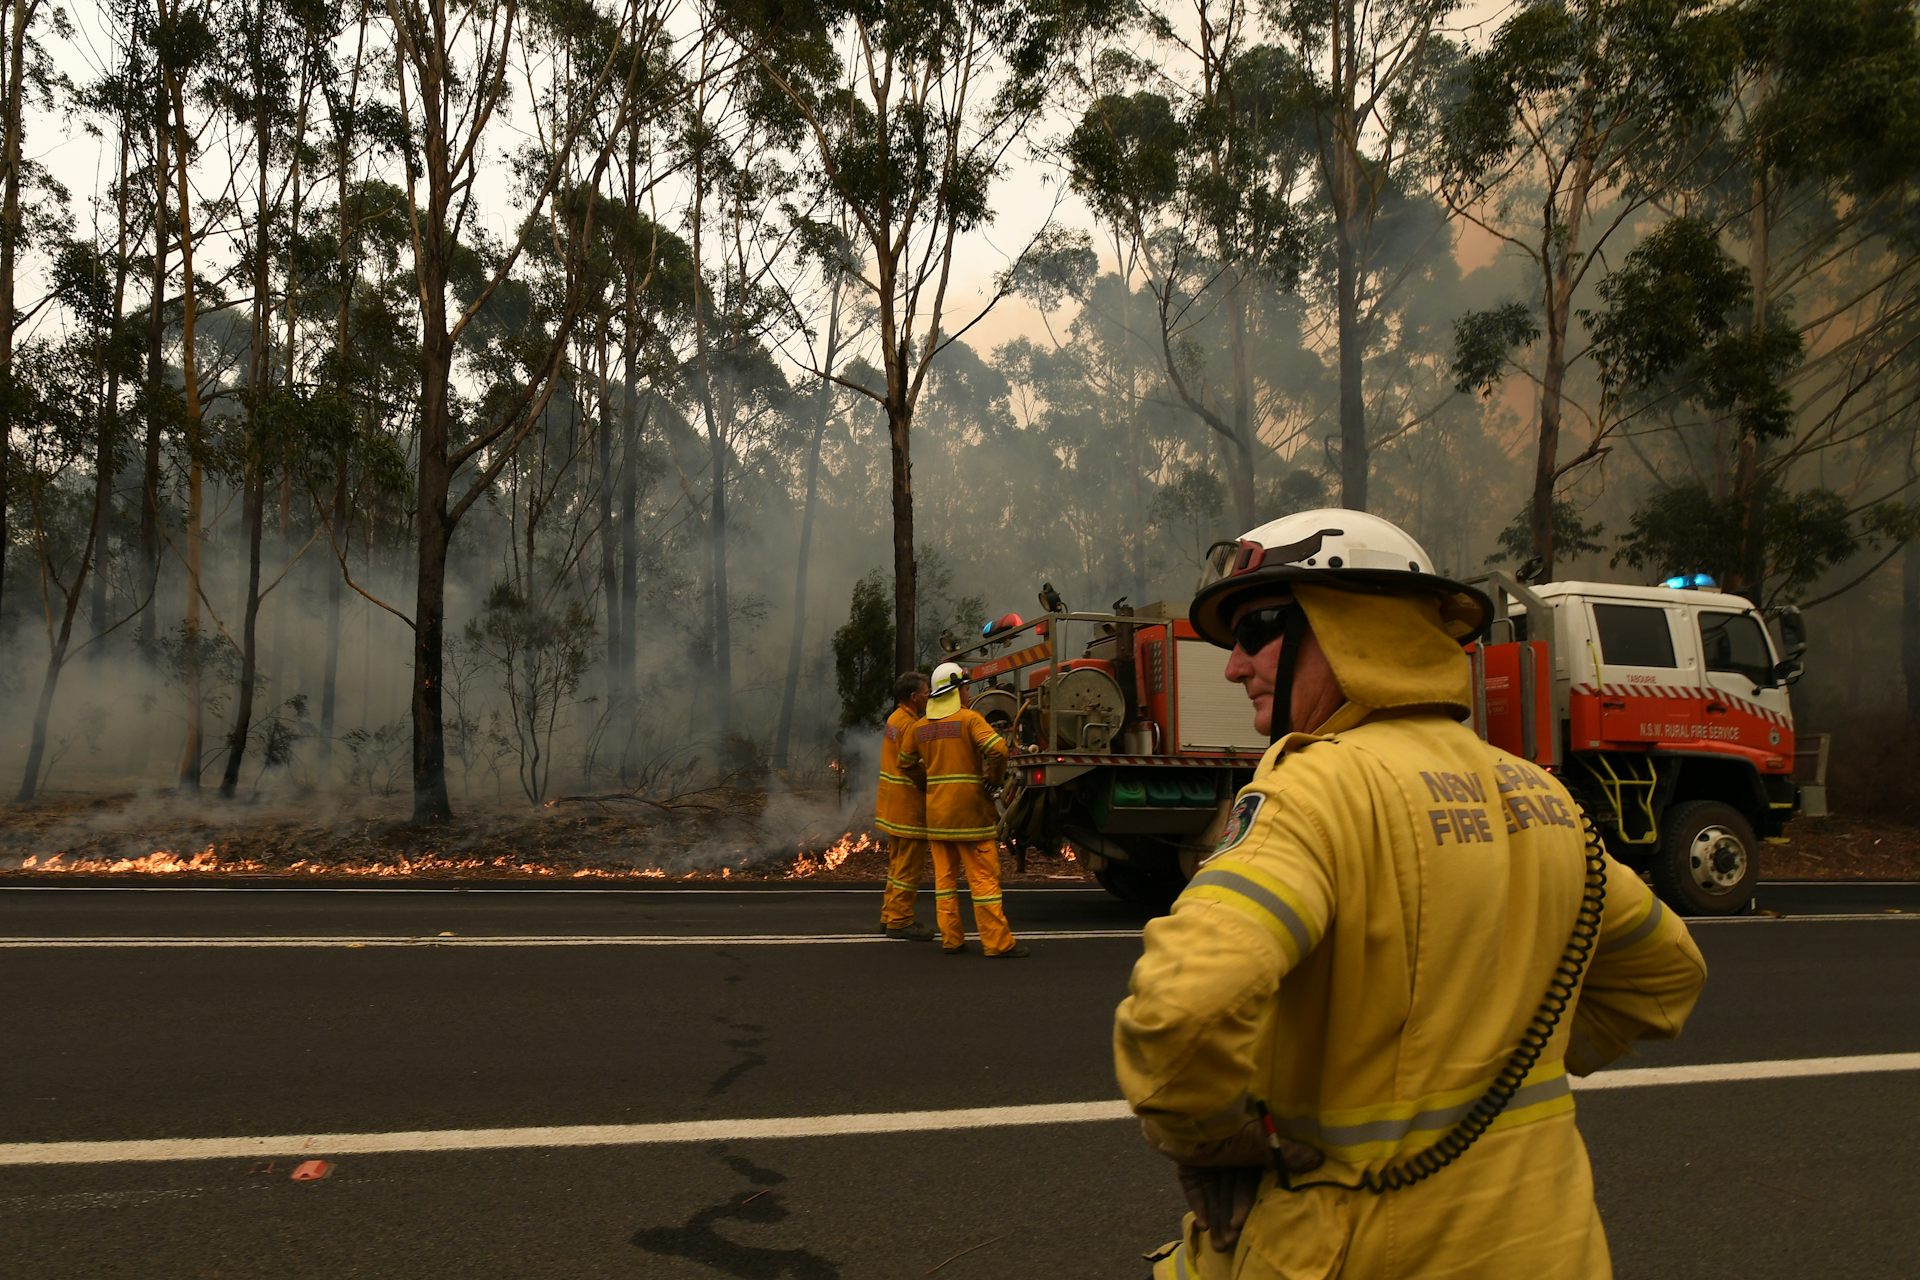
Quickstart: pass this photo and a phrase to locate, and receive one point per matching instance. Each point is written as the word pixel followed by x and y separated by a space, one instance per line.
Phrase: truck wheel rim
pixel 1718 859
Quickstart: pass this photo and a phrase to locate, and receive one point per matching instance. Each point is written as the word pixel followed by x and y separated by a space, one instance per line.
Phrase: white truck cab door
pixel 1634 670
pixel 1737 661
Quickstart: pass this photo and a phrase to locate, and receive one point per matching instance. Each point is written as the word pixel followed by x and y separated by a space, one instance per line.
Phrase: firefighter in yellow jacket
pixel 1353 1033
pixel 900 810
pixel 959 758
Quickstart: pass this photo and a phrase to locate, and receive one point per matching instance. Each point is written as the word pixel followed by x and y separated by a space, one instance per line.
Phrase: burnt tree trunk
pixel 253 504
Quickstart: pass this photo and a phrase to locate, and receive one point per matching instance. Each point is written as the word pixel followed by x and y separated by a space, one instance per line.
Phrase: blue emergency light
pixel 1702 581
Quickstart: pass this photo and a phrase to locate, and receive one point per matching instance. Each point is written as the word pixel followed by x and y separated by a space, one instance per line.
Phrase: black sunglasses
pixel 1260 628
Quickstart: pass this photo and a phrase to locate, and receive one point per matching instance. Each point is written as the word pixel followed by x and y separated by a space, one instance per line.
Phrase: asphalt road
pixel 159 1015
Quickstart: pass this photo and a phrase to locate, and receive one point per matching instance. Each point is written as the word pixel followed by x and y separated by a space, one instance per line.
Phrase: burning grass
pixel 719 836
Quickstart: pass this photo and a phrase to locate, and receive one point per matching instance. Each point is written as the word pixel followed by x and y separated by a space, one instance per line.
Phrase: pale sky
pixel 1023 200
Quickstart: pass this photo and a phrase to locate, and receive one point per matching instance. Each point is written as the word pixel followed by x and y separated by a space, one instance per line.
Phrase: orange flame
pixel 209 861
pixel 165 862
pixel 1067 853
pixel 829 859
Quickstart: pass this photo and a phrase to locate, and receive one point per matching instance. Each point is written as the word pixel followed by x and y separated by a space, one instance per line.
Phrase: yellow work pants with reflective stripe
pixel 906 868
pixel 981 860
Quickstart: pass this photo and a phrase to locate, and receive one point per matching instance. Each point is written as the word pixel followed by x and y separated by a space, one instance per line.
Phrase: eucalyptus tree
pixel 1784 370
pixel 1376 71
pixel 826 334
pixel 273 57
pixel 356 274
pixel 1577 116
pixel 909 131
pixel 454 62
pixel 116 102
pixel 31 203
pixel 1823 159
pixel 1209 181
pixel 735 139
pixel 185 41
pixel 67 422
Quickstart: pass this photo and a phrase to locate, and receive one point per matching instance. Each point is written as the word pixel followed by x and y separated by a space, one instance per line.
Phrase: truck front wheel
pixel 1706 864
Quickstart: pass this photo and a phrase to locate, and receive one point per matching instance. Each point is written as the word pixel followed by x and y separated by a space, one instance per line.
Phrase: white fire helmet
pixel 943 698
pixel 1331 547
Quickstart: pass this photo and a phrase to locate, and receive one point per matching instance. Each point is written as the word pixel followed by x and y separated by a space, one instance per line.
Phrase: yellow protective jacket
pixel 961 757
pixel 1362 955
pixel 899 806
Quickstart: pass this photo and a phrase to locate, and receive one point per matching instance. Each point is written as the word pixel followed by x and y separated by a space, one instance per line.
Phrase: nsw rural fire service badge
pixel 1240 821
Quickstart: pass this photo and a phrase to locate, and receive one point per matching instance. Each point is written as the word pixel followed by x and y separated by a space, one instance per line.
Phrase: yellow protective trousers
pixel 981 860
pixel 906 869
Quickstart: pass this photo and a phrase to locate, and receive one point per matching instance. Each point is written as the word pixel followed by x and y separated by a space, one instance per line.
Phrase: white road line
pixel 1838 917
pixel 520 940
pixel 1725 1072
pixel 778 1127
pixel 680 939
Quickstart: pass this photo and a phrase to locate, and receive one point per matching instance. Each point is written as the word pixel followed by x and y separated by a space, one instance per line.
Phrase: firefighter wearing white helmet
pixel 958 758
pixel 1353 1033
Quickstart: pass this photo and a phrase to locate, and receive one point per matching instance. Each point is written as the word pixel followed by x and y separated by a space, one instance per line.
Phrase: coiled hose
pixel 1561 988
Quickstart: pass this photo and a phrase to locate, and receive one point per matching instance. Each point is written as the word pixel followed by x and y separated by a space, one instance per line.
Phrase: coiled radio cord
pixel 1561 988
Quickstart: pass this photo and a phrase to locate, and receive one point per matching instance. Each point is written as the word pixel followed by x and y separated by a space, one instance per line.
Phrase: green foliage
pixel 1190 509
pixel 863 645
pixel 1124 155
pixel 863 654
pixel 1483 343
pixel 539 651
pixel 1844 97
pixel 1676 316
pixel 1572 536
pixel 1686 528
pixel 1626 77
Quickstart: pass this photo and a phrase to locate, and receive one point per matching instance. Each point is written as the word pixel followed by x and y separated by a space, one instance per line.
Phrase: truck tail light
pixel 1038 777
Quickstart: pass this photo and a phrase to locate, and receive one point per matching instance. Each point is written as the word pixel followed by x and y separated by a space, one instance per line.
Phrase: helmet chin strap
pixel 1281 718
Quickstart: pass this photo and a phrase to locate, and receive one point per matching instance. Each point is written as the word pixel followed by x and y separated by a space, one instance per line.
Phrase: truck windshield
pixel 1735 642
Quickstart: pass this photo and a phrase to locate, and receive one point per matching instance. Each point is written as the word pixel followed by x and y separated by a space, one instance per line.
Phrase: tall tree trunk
pixel 20 13
pixel 609 532
pixel 189 776
pixel 905 605
pixel 1749 488
pixel 342 332
pixel 1355 461
pixel 722 601
pixel 330 666
pixel 434 531
pixel 1540 513
pixel 1559 264
pixel 629 613
pixel 56 662
pixel 1245 433
pixel 156 393
pixel 254 478
pixel 253 504
pixel 822 416
pixel 1910 603
pixel 108 442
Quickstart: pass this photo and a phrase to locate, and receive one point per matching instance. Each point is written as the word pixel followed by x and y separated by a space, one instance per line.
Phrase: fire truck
pixel 1663 709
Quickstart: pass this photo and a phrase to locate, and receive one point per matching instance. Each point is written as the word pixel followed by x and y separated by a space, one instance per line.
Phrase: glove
pixel 1221 1199
pixel 1220 1179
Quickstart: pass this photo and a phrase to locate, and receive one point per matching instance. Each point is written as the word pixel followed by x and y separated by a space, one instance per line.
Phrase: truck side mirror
pixel 1788 670
pixel 1793 633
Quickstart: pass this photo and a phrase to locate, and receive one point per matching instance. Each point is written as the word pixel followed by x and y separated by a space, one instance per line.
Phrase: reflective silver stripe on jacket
pixel 1269 901
pixel 1356 1135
